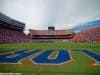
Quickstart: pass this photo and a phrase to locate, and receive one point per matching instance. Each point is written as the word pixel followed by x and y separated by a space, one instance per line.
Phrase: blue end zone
pixel 92 55
pixel 63 56
pixel 21 54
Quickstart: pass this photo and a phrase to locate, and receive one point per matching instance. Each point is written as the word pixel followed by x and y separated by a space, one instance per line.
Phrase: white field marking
pixel 50 56
pixel 13 55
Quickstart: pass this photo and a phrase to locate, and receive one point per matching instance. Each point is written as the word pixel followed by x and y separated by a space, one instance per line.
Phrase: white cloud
pixel 39 14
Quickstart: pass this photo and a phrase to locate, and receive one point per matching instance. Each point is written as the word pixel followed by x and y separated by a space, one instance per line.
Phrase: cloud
pixel 39 14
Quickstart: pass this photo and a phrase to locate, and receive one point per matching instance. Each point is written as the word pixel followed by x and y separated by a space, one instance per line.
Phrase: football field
pixel 59 58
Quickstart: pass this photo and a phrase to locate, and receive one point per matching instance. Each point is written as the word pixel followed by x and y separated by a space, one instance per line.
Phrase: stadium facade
pixel 51 35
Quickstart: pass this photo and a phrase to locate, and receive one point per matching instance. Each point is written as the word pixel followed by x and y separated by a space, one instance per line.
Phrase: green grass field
pixel 80 65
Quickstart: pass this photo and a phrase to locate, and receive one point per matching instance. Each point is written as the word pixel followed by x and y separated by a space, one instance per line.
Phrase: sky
pixel 63 14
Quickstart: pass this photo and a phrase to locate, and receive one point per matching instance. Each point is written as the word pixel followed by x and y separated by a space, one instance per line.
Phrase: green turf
pixel 78 67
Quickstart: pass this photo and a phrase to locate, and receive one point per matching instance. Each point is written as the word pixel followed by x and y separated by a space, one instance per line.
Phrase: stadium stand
pixel 11 31
pixel 51 35
pixel 90 35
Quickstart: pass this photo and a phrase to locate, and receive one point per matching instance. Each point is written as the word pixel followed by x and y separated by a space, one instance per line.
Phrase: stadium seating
pixel 11 30
pixel 12 36
pixel 51 35
pixel 90 35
